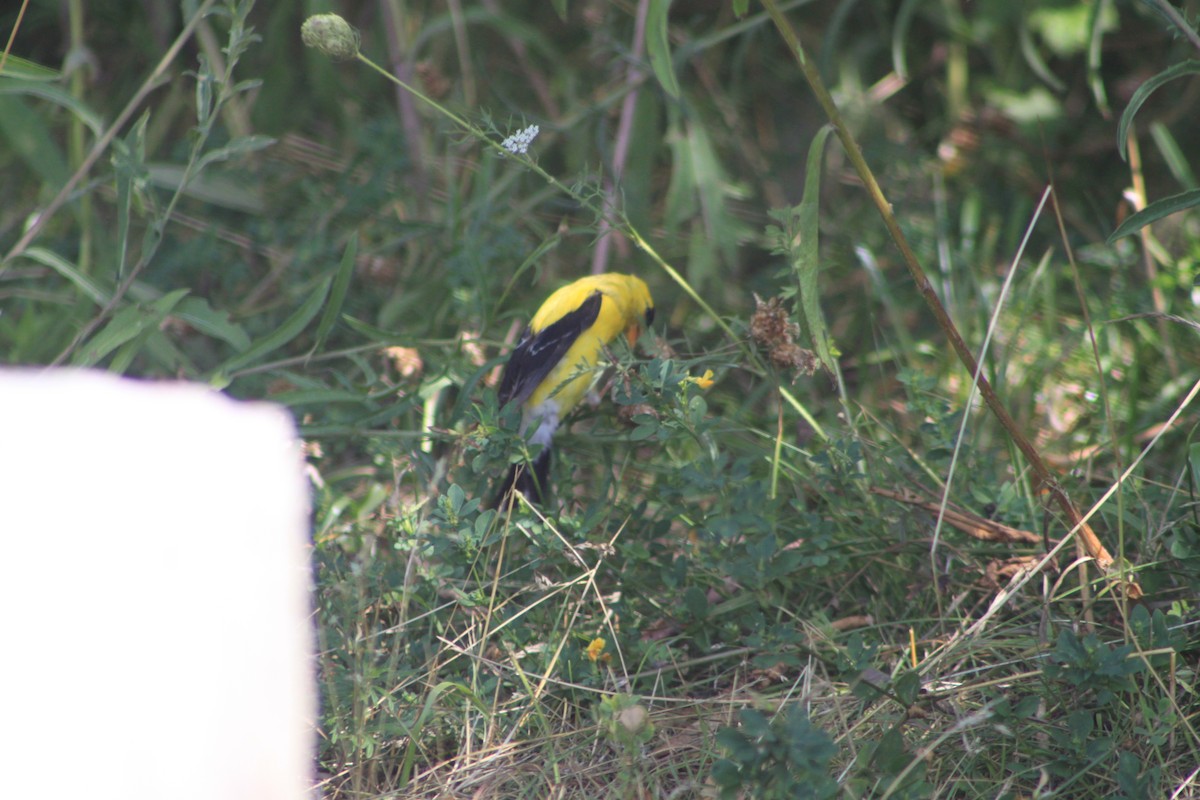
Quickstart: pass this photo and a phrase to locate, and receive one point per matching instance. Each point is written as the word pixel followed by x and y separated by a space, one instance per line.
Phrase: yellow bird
pixel 553 364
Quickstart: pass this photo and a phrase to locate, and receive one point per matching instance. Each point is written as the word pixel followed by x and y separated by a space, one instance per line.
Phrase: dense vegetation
pixel 833 572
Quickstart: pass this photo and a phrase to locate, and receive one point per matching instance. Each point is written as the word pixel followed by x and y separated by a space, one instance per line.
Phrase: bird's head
pixel 638 307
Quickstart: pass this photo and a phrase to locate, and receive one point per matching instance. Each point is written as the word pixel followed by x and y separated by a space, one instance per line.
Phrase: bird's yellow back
pixel 625 302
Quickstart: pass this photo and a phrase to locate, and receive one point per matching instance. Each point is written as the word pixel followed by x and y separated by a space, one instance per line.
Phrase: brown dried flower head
pixel 773 330
pixel 771 323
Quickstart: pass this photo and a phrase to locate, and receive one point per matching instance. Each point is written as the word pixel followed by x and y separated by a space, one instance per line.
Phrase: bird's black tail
pixel 531 479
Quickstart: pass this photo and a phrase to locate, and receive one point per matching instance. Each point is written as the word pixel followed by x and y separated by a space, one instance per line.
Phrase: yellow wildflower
pixel 595 649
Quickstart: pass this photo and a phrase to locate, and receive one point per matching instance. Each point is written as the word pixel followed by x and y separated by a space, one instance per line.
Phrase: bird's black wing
pixel 538 353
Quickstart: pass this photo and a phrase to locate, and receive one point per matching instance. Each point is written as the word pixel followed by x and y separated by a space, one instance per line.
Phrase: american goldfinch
pixel 553 364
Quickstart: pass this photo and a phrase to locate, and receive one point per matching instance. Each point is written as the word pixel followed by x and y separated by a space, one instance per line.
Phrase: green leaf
pixel 643 433
pixel 1081 723
pixel 24 134
pixel 217 188
pixel 125 325
pixel 248 85
pixel 17 67
pixel 696 602
pixel 681 191
pixel 235 149
pixel 724 771
pixel 699 184
pixel 890 755
pixel 1173 156
pixel 808 256
pixel 292 327
pixel 375 333
pixel 1033 58
pixel 1027 706
pixel 195 311
pixel 320 397
pixel 1143 93
pixel 341 283
pixel 1101 17
pixel 659 47
pixel 560 8
pixel 1031 107
pixel 702 259
pixel 900 31
pixel 156 348
pixel 204 91
pixel 54 94
pixel 54 261
pixel 1156 211
pixel 907 687
pixel 1194 465
pixel 129 164
pixel 754 722
pixel 1068 29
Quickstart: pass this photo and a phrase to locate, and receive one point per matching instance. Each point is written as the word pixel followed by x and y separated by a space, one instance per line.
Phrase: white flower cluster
pixel 519 142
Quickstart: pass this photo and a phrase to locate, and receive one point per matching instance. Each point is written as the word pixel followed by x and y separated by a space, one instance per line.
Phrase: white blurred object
pixel 154 593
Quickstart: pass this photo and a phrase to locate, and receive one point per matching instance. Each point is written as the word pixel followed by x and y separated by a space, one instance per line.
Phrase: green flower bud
pixel 330 34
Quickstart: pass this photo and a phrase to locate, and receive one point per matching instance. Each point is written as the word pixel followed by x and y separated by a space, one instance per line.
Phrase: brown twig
pixel 633 78
pixel 400 60
pixel 972 524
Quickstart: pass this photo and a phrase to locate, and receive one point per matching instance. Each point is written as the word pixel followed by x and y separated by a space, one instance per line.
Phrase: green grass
pixel 726 598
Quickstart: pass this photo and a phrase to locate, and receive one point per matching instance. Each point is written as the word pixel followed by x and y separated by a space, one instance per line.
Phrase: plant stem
pixel 1175 18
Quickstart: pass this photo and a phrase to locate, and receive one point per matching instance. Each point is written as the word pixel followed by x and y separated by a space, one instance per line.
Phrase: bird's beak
pixel 635 331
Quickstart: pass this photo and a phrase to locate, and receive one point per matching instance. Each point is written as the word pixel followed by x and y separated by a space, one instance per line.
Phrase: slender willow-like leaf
pixel 658 47
pixel 292 327
pixel 337 297
pixel 1156 211
pixel 1143 93
pixel 808 257
pixel 125 325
